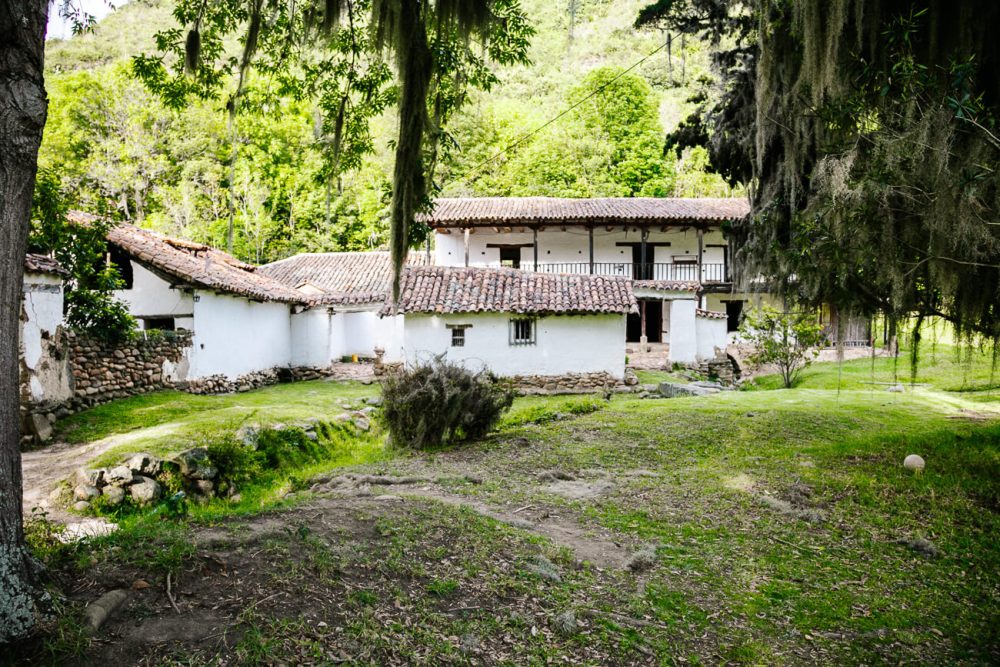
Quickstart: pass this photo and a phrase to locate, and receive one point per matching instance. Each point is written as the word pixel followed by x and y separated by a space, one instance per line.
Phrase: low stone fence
pixel 103 371
pixel 573 383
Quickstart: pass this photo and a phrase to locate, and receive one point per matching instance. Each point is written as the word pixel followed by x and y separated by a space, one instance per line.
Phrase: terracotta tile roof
pixel 346 277
pixel 35 263
pixel 196 264
pixel 444 289
pixel 668 285
pixel 711 314
pixel 490 211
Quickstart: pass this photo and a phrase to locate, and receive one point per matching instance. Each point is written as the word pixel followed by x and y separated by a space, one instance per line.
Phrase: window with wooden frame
pixel 522 331
pixel 458 334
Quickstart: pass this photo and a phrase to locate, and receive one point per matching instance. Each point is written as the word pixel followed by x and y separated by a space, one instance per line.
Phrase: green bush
pixel 441 403
pixel 235 461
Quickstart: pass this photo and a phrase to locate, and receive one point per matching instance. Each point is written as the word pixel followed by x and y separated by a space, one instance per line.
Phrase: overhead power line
pixel 544 125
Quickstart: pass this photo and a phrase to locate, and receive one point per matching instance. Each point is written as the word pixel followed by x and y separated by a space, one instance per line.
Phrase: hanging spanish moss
pixel 876 158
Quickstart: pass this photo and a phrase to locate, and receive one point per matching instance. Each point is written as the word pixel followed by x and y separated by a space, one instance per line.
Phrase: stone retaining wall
pixel 572 383
pixel 103 371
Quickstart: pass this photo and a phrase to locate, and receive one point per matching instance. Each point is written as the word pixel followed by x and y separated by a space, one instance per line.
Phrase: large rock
pixel 119 475
pixel 248 434
pixel 86 492
pixel 194 463
pixel 40 427
pixel 673 390
pixel 91 477
pixel 145 491
pixel 114 495
pixel 144 464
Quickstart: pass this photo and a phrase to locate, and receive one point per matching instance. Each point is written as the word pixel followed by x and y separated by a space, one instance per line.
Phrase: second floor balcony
pixel 706 273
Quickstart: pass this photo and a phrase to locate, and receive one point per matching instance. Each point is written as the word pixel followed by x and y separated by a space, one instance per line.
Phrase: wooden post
pixel 642 262
pixel 590 238
pixel 534 234
pixel 466 230
pixel 701 252
pixel 642 322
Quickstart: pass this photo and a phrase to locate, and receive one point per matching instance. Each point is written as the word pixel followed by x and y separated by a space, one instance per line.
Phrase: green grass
pixel 948 368
pixel 736 578
pixel 166 422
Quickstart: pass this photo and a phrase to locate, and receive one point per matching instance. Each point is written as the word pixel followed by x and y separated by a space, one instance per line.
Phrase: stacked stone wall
pixel 573 383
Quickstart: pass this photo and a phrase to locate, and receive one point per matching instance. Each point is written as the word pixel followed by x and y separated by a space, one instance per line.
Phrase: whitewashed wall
pixel 364 330
pixel 564 343
pixel 233 335
pixel 712 336
pixel 48 372
pixel 310 338
pixel 152 296
pixel 683 331
pixel 572 245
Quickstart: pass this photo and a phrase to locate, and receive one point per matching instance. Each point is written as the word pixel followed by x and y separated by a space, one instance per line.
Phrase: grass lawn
pixel 751 527
pixel 167 422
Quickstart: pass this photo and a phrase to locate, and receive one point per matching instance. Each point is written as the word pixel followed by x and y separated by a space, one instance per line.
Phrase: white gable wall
pixel 564 343
pixel 152 296
pixel 234 336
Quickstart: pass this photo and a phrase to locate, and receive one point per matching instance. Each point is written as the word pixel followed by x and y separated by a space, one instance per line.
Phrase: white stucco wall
pixel 683 331
pixel 48 376
pixel 152 296
pixel 364 330
pixel 712 336
pixel 564 343
pixel 233 335
pixel 310 338
pixel 572 246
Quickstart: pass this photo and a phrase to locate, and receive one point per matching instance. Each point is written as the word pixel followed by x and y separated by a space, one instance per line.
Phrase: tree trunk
pixel 22 119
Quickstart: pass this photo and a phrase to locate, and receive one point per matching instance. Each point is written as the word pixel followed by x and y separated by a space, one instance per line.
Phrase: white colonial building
pixel 516 323
pixel 528 288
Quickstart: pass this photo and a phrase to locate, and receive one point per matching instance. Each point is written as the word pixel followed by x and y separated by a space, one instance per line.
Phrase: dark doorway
pixel 734 311
pixel 642 270
pixel 654 323
pixel 510 256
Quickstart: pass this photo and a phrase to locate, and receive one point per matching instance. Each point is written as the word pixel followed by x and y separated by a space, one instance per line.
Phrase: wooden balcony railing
pixel 705 274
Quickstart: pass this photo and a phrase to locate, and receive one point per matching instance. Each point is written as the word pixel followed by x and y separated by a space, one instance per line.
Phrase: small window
pixel 158 323
pixel 522 332
pixel 458 337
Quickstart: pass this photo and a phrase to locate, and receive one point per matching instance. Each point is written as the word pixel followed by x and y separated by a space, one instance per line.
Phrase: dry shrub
pixel 441 403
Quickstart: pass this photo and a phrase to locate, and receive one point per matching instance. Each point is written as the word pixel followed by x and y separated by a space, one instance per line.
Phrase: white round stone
pixel 914 463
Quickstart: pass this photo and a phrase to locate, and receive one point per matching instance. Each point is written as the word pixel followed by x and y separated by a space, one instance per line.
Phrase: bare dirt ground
pixel 356 574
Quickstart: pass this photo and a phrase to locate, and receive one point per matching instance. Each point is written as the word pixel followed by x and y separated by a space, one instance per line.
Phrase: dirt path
pixel 588 543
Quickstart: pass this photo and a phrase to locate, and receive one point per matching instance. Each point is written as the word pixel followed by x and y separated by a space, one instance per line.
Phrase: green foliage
pixel 440 403
pixel 122 148
pixel 788 340
pixel 237 463
pixel 90 304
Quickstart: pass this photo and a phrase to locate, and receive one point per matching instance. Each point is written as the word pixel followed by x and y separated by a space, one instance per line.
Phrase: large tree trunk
pixel 22 119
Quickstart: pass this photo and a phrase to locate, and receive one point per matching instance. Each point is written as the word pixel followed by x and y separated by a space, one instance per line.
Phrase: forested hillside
pixel 117 148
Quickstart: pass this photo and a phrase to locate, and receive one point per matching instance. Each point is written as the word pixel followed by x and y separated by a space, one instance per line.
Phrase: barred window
pixel 522 332
pixel 458 337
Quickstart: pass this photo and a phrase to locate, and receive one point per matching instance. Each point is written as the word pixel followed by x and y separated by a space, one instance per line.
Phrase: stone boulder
pixel 119 475
pixel 113 495
pixel 144 464
pixel 146 490
pixel 194 463
pixel 674 390
pixel 86 492
pixel 91 477
pixel 40 427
